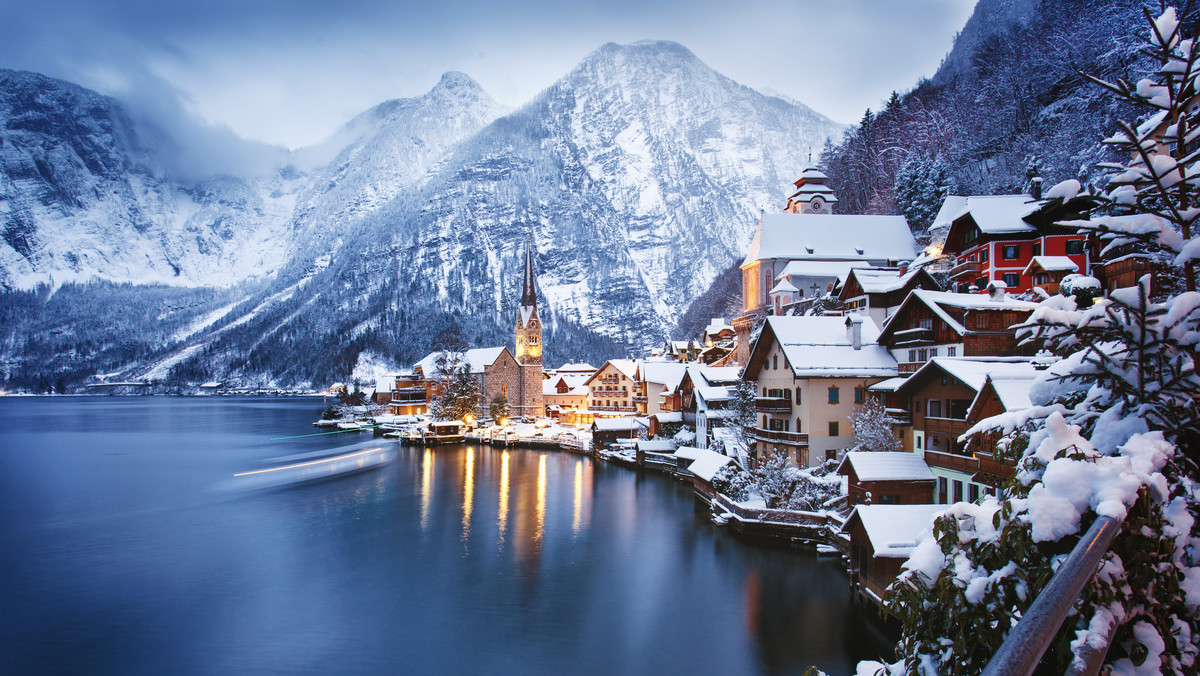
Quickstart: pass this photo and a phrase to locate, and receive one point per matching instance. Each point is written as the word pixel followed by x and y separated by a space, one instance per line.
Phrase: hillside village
pixel 847 325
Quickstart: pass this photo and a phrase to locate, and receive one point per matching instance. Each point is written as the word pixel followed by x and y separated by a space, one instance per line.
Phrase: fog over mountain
pixel 638 177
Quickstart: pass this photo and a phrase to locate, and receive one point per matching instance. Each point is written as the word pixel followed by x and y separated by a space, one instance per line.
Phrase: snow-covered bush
pixel 785 486
pixel 733 482
pixel 1113 432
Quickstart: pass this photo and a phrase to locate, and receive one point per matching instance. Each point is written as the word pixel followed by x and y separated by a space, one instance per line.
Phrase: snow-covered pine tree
pixel 873 427
pixel 459 388
pixel 922 184
pixel 1112 433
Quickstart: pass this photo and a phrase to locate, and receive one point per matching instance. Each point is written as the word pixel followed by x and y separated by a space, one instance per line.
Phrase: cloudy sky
pixel 291 72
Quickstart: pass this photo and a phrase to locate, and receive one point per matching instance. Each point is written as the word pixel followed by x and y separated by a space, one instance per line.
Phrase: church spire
pixel 528 293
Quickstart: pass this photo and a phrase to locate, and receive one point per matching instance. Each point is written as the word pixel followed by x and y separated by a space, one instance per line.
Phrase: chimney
pixel 1035 187
pixel 854 331
pixel 903 268
pixel 997 290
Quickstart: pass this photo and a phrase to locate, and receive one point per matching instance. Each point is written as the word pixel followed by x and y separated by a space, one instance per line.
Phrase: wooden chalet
pixel 880 478
pixel 941 324
pixel 881 539
pixel 878 292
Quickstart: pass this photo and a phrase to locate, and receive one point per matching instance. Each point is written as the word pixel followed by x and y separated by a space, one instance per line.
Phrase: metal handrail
pixel 1027 642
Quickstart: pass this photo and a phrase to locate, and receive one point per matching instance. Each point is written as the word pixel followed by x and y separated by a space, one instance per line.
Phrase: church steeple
pixel 529 293
pixel 529 328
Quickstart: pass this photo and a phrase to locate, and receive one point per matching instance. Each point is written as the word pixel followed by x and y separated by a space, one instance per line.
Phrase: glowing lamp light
pixel 502 422
pixel 468 418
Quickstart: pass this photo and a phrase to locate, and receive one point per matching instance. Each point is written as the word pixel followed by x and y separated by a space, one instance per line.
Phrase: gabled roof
pixel 581 367
pixel 666 373
pixel 886 466
pixel 998 214
pixel 831 237
pixel 974 371
pixel 893 529
pixel 707 463
pixel 821 347
pixel 784 286
pixel 1050 264
pixel 942 301
pixel 887 280
pixel 477 358
pixel 717 325
pixel 628 367
pixel 817 268
pixel 616 424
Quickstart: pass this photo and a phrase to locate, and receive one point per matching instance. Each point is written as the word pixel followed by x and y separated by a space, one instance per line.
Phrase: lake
pixel 124 550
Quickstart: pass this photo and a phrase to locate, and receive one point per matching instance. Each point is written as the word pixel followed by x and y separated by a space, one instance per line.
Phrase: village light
pixel 468 418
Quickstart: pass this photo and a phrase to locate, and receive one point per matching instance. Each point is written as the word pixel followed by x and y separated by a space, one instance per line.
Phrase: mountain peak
pixel 455 80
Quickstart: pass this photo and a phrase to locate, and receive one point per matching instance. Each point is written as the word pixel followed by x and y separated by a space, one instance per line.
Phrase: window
pixel 923 354
pixel 926 323
pixel 958 491
pixel 797 401
pixel 942 490
pixel 775 362
pixel 798 428
pixel 983 256
pixel 1075 247
pixel 504 389
pixel 1012 279
pixel 1037 248
pixel 912 355
pixel 918 441
pixel 890 499
pixel 933 352
pixel 777 425
pixel 935 408
pixel 973 492
pixel 764 420
pixel 1011 251
pixel 952 351
pixel 833 397
pixel 858 395
pixel 833 428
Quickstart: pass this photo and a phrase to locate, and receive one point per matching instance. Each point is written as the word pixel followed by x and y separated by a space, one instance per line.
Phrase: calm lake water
pixel 123 551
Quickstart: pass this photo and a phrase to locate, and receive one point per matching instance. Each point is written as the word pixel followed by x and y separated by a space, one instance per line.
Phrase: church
pixel 517 375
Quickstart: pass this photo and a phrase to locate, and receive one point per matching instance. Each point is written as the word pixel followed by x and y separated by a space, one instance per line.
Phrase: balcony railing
pixel 950 427
pixel 955 463
pixel 795 438
pixel 968 269
pixel 618 409
pixel 639 398
pixel 913 336
pixel 772 405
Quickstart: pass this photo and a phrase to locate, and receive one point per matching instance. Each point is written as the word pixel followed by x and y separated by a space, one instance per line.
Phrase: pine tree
pixel 498 408
pixel 1112 433
pixel 922 184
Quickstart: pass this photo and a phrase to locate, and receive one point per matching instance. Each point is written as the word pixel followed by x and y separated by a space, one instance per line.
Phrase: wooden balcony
pixel 775 436
pixel 639 398
pixel 773 405
pixel 948 427
pixel 970 269
pixel 914 336
pixel 955 463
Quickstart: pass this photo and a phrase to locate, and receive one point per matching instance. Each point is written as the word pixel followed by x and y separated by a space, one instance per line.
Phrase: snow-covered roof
pixel 714 393
pixel 784 286
pixel 938 301
pixel 831 237
pixel 716 326
pixel 628 367
pixel 713 375
pixel 655 445
pixel 889 385
pixel 666 373
pixel 1051 264
pixel 886 466
pixel 837 269
pixel 616 424
pixel 582 367
pixel 688 452
pixel 820 346
pixel 952 207
pixel 1013 392
pixel 671 417
pixel 996 214
pixel 477 358
pixel 973 372
pixel 707 463
pixel 893 529
pixel 882 280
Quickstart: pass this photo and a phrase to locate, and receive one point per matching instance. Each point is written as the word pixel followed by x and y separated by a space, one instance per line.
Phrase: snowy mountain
pixel 84 196
pixel 639 176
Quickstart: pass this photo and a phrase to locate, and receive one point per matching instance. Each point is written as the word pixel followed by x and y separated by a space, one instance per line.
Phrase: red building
pixel 994 238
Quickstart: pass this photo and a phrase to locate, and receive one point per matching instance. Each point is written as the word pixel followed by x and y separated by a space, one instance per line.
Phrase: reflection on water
pixel 502 519
pixel 468 493
pixel 124 560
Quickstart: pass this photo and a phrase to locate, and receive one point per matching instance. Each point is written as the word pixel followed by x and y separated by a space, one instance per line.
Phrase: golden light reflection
pixel 578 496
pixel 540 520
pixel 468 491
pixel 426 486
pixel 503 494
